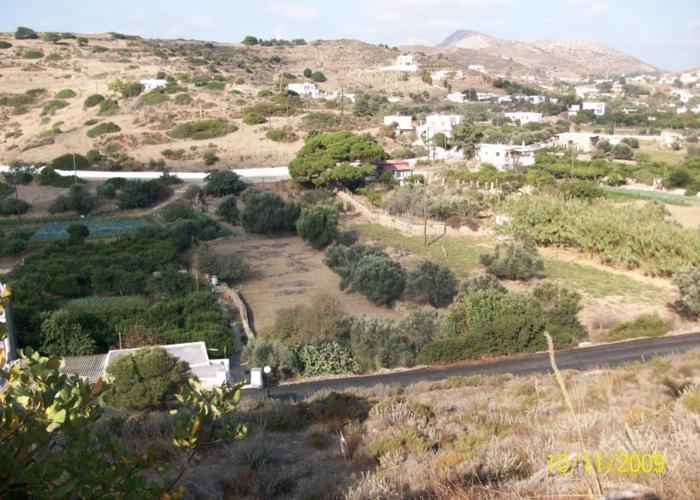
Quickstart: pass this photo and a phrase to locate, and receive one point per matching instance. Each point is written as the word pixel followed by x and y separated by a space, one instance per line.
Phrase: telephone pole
pixel 425 210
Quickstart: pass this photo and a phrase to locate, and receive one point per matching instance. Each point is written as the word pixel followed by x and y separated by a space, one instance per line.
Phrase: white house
pixel 455 97
pixel 404 123
pixel 210 372
pixel 598 108
pixel 574 109
pixel 581 141
pixel 583 91
pixel 404 62
pixel 525 117
pixel 682 95
pixel 152 84
pixel 439 124
pixel 400 169
pixel 506 156
pixel 477 67
pixel 307 89
pixel 486 96
pixel 537 99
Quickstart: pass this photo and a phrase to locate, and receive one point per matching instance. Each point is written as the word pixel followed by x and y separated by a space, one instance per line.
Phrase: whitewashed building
pixel 525 117
pixel 439 124
pixel 477 67
pixel 574 109
pixel 598 108
pixel 307 89
pixel 404 62
pixel 152 84
pixel 506 156
pixel 457 97
pixel 404 123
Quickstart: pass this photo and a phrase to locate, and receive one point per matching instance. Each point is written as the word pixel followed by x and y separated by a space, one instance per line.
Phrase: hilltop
pixel 555 57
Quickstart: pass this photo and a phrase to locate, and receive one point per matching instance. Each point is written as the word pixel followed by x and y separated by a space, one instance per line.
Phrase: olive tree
pixel 430 283
pixel 688 282
pixel 318 225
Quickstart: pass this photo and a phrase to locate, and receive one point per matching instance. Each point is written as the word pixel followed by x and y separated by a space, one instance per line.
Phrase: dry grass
pixel 478 437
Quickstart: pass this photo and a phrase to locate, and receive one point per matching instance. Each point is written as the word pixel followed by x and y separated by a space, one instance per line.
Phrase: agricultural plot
pixel 97 227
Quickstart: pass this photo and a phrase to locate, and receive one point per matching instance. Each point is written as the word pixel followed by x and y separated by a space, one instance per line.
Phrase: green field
pixel 462 256
pixel 620 194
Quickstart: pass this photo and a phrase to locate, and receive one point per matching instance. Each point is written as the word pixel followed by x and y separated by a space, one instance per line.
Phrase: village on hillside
pixel 335 269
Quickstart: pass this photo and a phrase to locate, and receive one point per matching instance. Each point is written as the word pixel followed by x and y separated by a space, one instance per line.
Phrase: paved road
pixel 580 359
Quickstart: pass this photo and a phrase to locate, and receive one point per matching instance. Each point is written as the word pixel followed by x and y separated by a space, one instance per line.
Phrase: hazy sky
pixel 665 33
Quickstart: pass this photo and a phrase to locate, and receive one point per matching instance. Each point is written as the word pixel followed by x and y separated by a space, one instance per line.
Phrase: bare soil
pixel 289 273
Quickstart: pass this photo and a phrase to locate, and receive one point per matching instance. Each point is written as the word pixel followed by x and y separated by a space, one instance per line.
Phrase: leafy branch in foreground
pixel 51 448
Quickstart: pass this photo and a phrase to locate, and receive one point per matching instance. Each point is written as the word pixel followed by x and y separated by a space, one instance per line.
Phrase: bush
pixel 201 130
pixel 431 284
pixel 49 177
pixel 223 182
pixel 623 151
pixel 315 323
pixel 77 200
pixel 318 225
pixel 678 178
pixel 261 352
pixel 13 206
pixel 33 54
pixel 376 344
pixel 228 210
pixel 285 134
pixel 5 45
pixel 267 212
pixel 132 89
pixel 145 380
pixel 142 194
pixel 443 351
pixel 688 282
pixel 515 260
pixel 308 72
pixel 52 106
pixel 328 358
pixel 580 189
pixel 65 94
pixel 343 259
pixel 379 278
pixel 154 98
pixel 65 162
pixel 210 158
pixel 24 33
pixel 108 107
pixel 253 118
pixel 62 335
pixel 478 283
pixel 318 76
pixel 77 232
pixel 102 129
pixel 231 268
pixel 647 325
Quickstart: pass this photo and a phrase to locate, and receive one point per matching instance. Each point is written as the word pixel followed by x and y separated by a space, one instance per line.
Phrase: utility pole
pixel 425 210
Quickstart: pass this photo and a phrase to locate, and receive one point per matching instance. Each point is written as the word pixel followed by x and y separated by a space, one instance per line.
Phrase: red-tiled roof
pixel 395 165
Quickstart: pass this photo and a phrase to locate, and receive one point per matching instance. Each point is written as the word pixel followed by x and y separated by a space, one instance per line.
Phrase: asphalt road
pixel 586 358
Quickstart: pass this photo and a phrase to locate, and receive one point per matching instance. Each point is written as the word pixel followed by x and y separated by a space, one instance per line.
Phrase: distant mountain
pixel 555 57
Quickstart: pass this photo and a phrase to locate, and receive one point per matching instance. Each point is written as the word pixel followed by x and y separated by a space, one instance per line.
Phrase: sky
pixel 665 33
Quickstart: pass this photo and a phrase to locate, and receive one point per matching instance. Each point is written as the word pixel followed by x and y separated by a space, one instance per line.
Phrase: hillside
pixel 555 58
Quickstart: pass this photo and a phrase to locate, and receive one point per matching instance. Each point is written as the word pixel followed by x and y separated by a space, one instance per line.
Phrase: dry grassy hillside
pixel 476 437
pixel 213 81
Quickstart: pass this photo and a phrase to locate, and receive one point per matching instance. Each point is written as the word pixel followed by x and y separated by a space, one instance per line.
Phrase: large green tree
pixel 326 158
pixel 431 284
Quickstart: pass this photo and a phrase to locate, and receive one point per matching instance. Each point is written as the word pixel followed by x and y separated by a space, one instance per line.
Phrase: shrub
pixel 102 129
pixel 315 323
pixel 285 134
pixel 210 158
pixel 261 352
pixel 581 189
pixel 108 107
pixel 379 278
pixel 343 259
pixel 267 212
pixel 183 99
pixel 142 194
pixel 5 45
pixel 320 121
pixel 24 33
pixel 514 260
pixel 688 282
pixel 13 206
pixel 78 200
pixel 154 98
pixel 443 351
pixel 201 130
pixel 65 94
pixel 77 232
pixel 52 106
pixel 678 178
pixel 218 86
pixel 232 267
pixel 228 210
pixel 308 72
pixel 33 54
pixel 376 344
pixel 62 335
pixel 146 379
pixel 49 177
pixel 132 89
pixel 223 182
pixel 318 76
pixel 431 284
pixel 561 307
pixel 622 151
pixel 647 325
pixel 328 358
pixel 485 282
pixel 66 162
pixel 253 118
pixel 318 225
